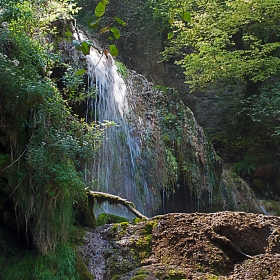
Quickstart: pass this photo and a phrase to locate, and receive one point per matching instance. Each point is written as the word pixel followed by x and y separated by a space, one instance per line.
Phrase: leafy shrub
pixel 245 168
pixel 45 142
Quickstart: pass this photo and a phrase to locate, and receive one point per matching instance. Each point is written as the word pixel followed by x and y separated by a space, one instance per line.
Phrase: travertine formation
pixel 222 245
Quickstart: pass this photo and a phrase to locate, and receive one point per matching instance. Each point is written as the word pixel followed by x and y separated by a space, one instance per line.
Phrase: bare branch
pixel 113 199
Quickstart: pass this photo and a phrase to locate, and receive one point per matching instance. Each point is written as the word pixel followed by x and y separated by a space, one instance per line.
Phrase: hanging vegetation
pixel 42 142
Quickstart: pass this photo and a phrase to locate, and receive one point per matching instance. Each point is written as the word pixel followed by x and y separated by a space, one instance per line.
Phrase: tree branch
pixel 114 199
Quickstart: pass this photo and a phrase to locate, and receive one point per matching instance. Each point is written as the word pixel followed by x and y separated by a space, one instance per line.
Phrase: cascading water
pixel 115 167
pixel 156 155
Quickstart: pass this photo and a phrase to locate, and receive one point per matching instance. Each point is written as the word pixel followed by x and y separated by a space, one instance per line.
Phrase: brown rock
pixel 222 245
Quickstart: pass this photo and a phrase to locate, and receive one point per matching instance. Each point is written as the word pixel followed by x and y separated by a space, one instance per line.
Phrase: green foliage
pixel 42 142
pixel 122 70
pixel 139 277
pixel 103 22
pixel 172 171
pixel 19 264
pixel 106 218
pixel 226 40
pixel 234 43
pixel 245 168
pixel 100 9
pixel 113 50
pixel 139 23
pixel 264 108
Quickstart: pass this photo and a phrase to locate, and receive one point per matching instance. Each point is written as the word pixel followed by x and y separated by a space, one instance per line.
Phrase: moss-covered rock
pixel 189 246
pixel 107 218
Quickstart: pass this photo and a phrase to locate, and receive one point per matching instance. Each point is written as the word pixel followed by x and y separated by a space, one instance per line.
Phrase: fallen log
pixel 114 199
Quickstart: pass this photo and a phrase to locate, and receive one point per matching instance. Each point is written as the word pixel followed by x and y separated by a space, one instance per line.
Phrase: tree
pixel 226 40
pixel 231 42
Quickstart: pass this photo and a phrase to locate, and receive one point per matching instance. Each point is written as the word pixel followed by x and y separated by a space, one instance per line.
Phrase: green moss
pixel 149 227
pixel 76 236
pixel 141 271
pixel 199 267
pixel 143 245
pixel 172 274
pixel 106 218
pixel 211 277
pixel 271 206
pixel 82 269
pixel 117 267
pixel 175 274
pixel 120 229
pixel 116 277
pixel 139 277
pixel 137 221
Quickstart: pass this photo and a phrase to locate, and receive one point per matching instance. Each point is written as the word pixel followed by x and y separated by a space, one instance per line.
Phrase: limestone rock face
pixel 222 245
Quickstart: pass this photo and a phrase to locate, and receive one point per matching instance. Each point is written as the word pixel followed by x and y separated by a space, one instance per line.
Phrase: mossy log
pixel 114 199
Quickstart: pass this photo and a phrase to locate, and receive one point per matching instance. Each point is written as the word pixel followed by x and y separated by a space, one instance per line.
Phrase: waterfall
pixel 115 169
pixel 156 155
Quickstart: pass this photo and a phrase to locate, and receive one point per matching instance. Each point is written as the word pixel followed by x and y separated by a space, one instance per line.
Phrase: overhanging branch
pixel 114 199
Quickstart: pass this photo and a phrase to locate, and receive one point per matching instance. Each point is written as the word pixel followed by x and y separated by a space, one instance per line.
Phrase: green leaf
pixel 104 29
pixel 186 16
pixel 93 22
pixel 90 19
pixel 100 9
pixel 68 34
pixel 121 22
pixel 111 38
pixel 85 48
pixel 170 35
pixel 114 50
pixel 171 19
pixel 80 72
pixel 115 32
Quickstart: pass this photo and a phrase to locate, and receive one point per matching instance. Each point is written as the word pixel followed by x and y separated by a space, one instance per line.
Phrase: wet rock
pixel 222 245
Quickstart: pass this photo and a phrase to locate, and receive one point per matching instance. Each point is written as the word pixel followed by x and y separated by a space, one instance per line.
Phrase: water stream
pixel 115 169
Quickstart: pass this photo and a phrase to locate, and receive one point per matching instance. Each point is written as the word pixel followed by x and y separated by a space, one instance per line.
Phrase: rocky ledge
pixel 223 245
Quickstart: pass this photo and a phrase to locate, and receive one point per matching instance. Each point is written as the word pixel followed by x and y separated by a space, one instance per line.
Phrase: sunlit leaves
pixel 115 32
pixel 100 9
pixel 80 72
pixel 121 22
pixel 95 22
pixel 224 41
pixel 186 16
pixel 84 46
pixel 114 50
pixel 170 35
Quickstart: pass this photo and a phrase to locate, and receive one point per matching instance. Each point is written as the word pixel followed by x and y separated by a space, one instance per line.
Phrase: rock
pixel 222 245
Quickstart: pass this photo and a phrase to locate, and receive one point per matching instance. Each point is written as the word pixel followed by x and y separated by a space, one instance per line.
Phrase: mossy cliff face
pixel 237 195
pixel 160 158
pixel 178 162
pixel 224 245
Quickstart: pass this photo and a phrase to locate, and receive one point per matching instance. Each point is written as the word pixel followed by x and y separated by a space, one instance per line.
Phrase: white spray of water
pixel 115 169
